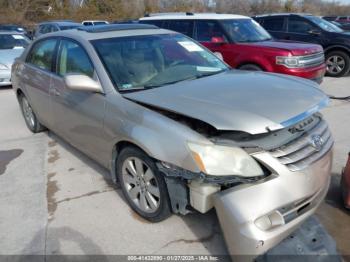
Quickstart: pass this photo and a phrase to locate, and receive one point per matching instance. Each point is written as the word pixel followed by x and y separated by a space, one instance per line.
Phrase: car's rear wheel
pixel 250 67
pixel 30 118
pixel 338 63
pixel 143 185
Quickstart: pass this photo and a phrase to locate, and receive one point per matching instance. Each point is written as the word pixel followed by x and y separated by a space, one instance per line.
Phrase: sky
pixel 342 1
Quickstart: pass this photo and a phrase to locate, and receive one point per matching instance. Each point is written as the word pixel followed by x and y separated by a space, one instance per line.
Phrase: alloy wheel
pixel 335 64
pixel 141 184
pixel 28 112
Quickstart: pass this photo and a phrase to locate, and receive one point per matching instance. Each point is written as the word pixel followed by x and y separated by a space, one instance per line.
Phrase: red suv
pixel 343 19
pixel 244 44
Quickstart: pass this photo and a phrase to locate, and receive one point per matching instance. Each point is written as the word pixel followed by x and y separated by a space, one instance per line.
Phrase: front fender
pixel 158 136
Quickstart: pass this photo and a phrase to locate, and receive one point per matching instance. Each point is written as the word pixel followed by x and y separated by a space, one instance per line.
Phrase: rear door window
pixel 274 24
pixel 42 54
pixel 299 26
pixel 182 26
pixel 205 31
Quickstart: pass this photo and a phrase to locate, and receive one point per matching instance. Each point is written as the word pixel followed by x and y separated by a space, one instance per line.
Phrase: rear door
pixel 276 26
pixel 78 115
pixel 36 76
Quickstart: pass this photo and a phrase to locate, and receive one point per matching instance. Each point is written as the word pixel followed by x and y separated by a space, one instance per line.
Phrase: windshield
pixel 67 27
pixel 13 41
pixel 149 61
pixel 325 25
pixel 11 28
pixel 100 23
pixel 245 30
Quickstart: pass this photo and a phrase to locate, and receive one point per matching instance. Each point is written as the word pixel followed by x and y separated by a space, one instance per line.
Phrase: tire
pixel 143 185
pixel 29 116
pixel 250 67
pixel 338 63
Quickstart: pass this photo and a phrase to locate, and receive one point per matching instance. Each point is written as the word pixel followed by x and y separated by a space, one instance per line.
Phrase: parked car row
pixel 251 47
pixel 244 44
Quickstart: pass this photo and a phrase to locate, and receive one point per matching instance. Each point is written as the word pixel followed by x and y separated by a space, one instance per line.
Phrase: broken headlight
pixel 224 161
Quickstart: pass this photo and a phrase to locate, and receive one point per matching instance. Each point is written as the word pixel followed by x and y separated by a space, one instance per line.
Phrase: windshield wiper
pixel 185 79
pixel 150 86
pixel 211 74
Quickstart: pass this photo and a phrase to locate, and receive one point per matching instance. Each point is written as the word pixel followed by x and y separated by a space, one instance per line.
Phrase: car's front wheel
pixel 143 185
pixel 30 118
pixel 338 63
pixel 250 67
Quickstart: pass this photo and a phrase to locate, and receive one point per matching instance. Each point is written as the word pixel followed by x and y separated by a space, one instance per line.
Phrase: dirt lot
pixel 54 200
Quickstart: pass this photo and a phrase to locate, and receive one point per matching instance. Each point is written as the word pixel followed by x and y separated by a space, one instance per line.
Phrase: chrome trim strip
pixel 296 119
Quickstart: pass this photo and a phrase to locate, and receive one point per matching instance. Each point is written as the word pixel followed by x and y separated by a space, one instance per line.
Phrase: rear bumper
pixel 313 73
pixel 293 196
pixel 5 77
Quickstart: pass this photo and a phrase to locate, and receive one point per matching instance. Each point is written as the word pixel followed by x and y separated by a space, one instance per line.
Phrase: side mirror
pixel 218 40
pixel 82 83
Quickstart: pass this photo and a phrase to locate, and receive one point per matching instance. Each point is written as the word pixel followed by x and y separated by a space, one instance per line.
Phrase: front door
pixel 300 29
pixel 78 115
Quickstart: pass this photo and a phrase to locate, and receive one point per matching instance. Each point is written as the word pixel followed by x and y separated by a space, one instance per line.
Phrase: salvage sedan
pixel 12 45
pixel 180 131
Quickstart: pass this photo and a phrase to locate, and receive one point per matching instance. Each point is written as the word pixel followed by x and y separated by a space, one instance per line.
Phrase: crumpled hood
pixel 296 48
pixel 8 56
pixel 251 102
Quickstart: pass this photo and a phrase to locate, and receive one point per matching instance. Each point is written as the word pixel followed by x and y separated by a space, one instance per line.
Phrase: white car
pixel 12 45
pixel 94 22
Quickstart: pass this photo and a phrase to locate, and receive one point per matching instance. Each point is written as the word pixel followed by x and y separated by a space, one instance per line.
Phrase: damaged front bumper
pixel 256 217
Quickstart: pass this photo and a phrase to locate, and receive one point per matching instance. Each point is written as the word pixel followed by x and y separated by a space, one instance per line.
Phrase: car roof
pixel 109 31
pixel 10 32
pixel 60 23
pixel 192 16
pixel 283 14
pixel 93 21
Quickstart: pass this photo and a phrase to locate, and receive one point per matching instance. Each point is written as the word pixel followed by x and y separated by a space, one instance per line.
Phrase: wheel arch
pixel 19 93
pixel 117 148
pixel 337 48
pixel 255 63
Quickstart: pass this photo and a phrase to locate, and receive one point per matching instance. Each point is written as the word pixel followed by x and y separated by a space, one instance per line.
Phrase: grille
pixel 300 153
pixel 312 60
pixel 296 209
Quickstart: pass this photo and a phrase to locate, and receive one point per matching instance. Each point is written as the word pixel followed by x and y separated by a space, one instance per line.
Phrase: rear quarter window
pixel 274 24
pixel 182 26
pixel 158 23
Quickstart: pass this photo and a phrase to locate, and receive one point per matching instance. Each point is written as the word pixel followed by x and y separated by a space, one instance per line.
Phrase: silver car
pixel 12 45
pixel 180 131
